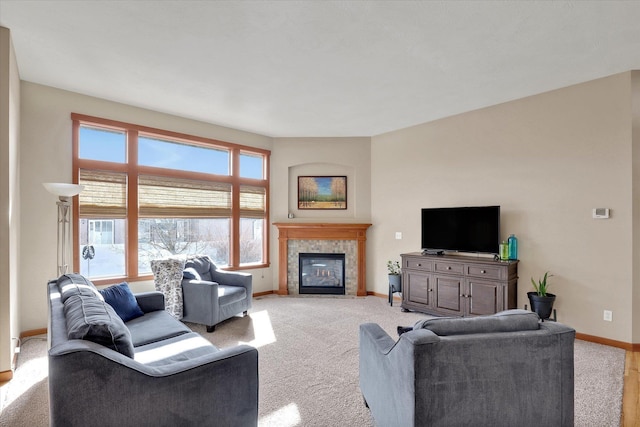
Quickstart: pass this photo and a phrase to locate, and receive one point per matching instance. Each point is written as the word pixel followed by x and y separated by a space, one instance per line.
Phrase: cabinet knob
pixel 483 271
pixel 449 268
pixel 419 265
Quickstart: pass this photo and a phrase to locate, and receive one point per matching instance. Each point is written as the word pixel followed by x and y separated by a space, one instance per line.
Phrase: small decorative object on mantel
pixel 395 279
pixel 541 300
pixel 513 247
pixel 322 192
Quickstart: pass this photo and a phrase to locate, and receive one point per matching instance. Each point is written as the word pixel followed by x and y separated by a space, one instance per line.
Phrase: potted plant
pixel 395 283
pixel 541 300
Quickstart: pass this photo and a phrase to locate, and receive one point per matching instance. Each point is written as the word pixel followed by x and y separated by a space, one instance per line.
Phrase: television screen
pixel 464 229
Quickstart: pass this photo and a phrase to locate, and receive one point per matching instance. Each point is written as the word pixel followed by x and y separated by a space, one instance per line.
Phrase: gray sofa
pixel 508 369
pixel 150 371
pixel 211 295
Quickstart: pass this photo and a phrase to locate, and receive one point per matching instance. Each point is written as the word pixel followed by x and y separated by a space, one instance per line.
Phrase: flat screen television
pixel 461 229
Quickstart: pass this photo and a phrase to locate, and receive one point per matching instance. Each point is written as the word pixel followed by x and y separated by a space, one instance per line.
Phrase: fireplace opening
pixel 321 273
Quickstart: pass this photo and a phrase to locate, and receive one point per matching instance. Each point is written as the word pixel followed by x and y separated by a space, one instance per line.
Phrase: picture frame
pixel 322 192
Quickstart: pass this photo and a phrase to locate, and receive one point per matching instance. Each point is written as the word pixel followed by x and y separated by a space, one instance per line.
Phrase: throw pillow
pixel 122 300
pixel 76 284
pixel 191 274
pixel 94 320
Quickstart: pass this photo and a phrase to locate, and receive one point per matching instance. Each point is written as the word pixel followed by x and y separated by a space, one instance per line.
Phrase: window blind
pixel 252 201
pixel 104 194
pixel 169 197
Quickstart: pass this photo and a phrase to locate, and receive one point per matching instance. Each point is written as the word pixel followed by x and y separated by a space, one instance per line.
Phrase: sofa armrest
pixel 387 368
pixel 150 301
pixel 221 386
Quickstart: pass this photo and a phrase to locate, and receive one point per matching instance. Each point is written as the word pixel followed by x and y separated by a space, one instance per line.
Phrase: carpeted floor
pixel 308 362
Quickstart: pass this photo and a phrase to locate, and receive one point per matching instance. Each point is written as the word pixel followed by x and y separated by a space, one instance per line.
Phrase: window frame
pixel 133 170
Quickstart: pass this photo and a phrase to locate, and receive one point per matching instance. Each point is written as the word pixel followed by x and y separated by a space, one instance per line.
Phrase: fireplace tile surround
pixel 347 238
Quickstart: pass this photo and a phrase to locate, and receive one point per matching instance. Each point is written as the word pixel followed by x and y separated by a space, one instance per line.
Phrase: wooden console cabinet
pixel 456 285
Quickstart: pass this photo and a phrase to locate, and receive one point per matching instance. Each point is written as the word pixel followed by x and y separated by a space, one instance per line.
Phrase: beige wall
pixel 46 149
pixel 547 160
pixel 293 157
pixel 9 198
pixel 635 259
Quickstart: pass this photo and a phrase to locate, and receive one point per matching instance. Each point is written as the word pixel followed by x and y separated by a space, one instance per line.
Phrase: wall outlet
pixel 398 235
pixel 608 315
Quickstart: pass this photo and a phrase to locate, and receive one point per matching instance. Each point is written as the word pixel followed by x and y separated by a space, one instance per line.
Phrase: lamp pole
pixel 64 220
pixel 64 192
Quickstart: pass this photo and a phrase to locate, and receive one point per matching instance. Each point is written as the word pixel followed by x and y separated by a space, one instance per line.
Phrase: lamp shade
pixel 62 189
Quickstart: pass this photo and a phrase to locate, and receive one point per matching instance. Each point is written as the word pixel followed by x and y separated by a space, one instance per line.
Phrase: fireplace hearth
pixel 321 273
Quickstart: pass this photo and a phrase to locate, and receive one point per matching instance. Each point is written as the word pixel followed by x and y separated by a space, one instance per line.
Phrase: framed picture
pixel 322 192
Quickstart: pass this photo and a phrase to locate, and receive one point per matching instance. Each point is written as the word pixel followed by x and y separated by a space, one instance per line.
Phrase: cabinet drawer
pixel 418 263
pixel 484 271
pixel 448 267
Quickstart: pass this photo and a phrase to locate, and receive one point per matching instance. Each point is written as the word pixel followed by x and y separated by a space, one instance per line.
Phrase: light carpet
pixel 308 365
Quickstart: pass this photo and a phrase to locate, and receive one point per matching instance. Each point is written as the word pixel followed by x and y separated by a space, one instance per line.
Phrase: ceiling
pixel 321 69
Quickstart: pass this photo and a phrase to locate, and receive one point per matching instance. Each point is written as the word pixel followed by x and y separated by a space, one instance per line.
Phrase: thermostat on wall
pixel 601 213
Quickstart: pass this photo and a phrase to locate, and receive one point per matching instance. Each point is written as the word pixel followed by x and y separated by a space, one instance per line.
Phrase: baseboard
pixel 33 333
pixel 6 376
pixel 606 341
pixel 262 294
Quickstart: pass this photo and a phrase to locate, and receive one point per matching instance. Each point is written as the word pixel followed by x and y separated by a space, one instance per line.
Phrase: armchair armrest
pixel 232 278
pixel 200 299
pixel 150 301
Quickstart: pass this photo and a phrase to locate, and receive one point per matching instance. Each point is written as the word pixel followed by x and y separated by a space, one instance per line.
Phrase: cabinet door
pixel 417 287
pixel 486 297
pixel 448 291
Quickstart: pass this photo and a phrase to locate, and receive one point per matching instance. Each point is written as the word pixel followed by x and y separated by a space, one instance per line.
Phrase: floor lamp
pixel 64 192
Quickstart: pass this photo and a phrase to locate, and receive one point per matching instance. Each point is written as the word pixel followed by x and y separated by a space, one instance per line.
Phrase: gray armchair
pixel 506 369
pixel 211 295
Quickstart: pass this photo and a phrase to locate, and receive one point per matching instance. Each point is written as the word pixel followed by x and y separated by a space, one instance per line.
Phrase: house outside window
pixel 175 193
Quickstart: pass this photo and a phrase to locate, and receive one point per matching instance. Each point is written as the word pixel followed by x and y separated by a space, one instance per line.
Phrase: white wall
pixel 46 157
pixel 9 198
pixel 547 160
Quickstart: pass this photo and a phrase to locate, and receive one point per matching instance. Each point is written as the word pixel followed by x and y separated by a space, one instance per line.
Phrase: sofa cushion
pixel 122 300
pixel 191 274
pixel 76 284
pixel 90 318
pixel 505 321
pixel 177 349
pixel 155 326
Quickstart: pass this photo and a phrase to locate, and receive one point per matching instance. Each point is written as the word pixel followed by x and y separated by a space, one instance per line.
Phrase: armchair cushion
pixel 506 321
pixel 122 300
pixel 191 274
pixel 202 265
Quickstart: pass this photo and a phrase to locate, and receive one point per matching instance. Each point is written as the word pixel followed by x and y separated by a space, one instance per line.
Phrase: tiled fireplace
pixel 322 238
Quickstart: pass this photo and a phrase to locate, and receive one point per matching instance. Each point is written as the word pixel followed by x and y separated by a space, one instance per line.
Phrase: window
pixel 151 194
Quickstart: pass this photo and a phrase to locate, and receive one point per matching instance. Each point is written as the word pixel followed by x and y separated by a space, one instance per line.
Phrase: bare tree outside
pixel 307 191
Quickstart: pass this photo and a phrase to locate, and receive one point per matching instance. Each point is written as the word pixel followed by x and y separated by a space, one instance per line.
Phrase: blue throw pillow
pixel 191 274
pixel 122 300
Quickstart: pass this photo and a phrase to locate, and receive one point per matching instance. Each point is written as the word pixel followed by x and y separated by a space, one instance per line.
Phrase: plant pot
pixel 543 306
pixel 395 282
